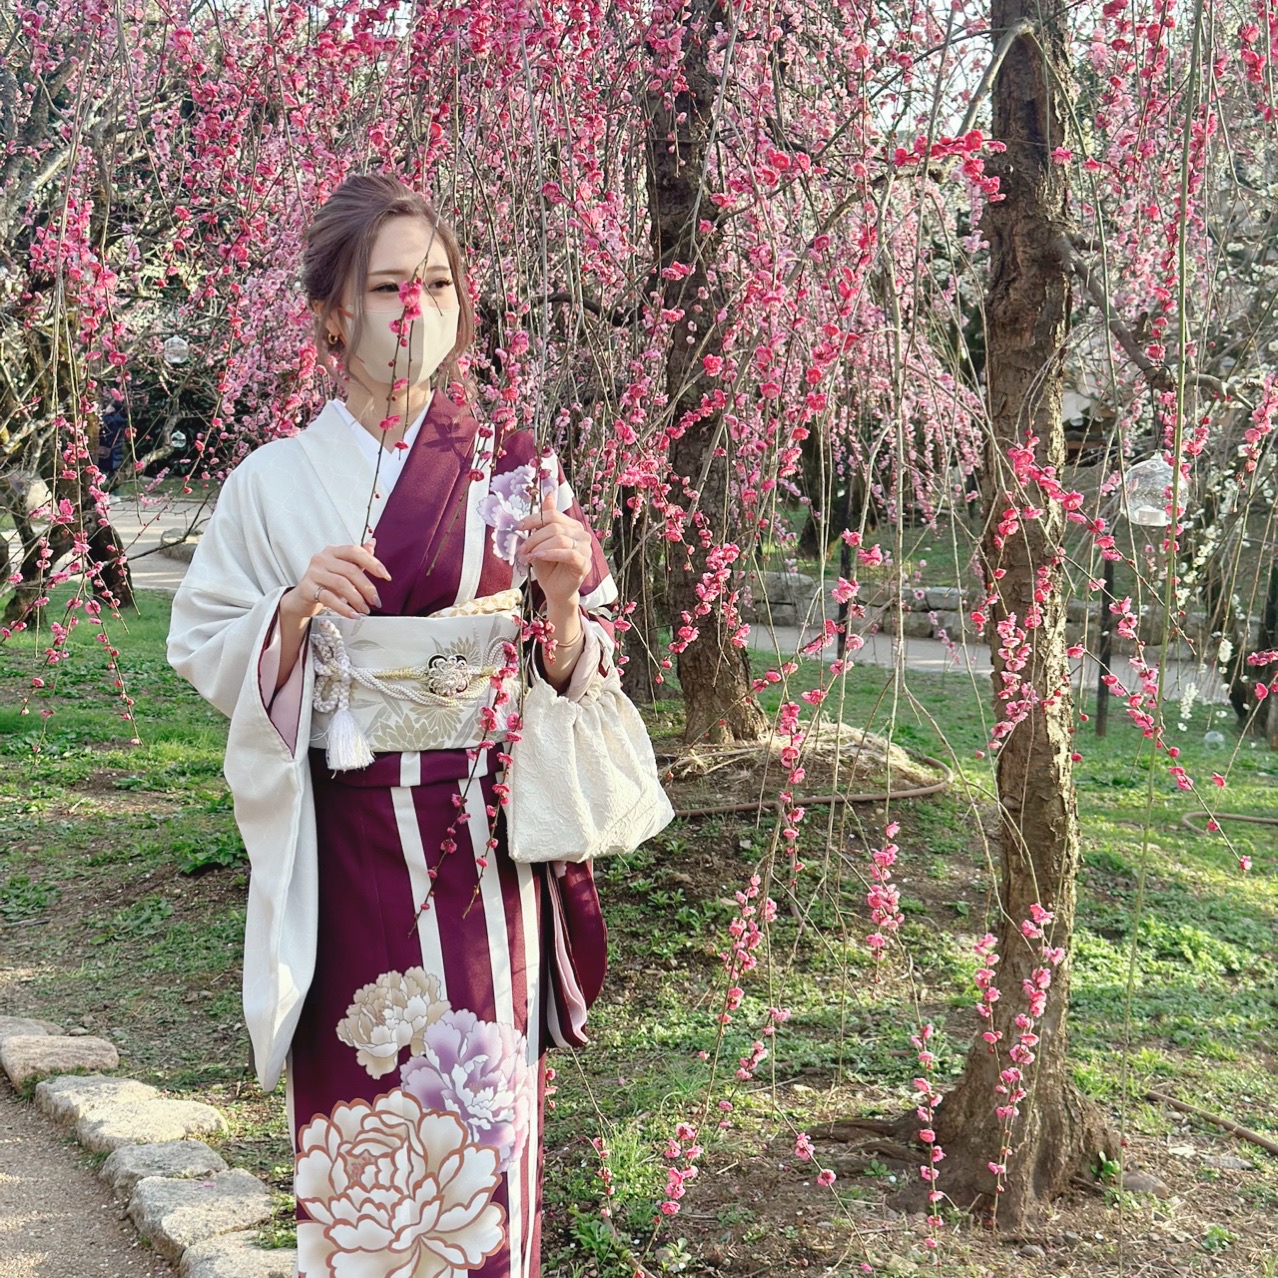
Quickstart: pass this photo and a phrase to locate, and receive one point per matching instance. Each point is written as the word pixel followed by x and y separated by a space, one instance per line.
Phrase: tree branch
pixel 1158 374
pixel 617 315
pixel 1013 33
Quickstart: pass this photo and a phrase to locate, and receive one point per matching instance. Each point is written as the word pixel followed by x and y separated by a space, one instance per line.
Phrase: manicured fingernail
pixel 377 599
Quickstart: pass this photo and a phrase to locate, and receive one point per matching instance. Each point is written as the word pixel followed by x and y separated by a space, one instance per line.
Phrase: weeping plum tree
pixel 714 674
pixel 49 416
pixel 698 238
pixel 1025 1149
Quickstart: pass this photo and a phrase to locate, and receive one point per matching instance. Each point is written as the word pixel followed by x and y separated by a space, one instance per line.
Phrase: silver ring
pixel 319 590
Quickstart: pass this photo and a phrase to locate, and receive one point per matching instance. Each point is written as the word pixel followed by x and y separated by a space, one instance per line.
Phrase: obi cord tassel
pixel 346 746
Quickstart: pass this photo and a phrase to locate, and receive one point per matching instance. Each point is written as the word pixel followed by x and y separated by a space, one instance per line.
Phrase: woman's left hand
pixel 558 552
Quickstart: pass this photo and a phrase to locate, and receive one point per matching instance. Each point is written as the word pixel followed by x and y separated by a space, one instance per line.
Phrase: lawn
pixel 122 885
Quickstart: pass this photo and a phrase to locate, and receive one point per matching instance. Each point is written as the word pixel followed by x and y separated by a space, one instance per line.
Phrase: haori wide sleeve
pixel 225 607
pixel 221 630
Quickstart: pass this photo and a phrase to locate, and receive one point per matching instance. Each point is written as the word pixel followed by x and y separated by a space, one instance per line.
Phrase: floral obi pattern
pixel 413 683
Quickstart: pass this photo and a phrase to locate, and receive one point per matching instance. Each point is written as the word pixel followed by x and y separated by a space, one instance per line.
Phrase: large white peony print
pixel 398 1192
pixel 479 1071
pixel 389 1015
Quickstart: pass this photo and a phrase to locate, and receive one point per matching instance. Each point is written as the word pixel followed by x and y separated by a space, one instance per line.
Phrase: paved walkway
pixel 972 662
pixel 57 1219
pixel 142 530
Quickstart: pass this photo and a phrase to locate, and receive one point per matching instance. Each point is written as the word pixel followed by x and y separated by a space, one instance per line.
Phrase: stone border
pixel 179 1193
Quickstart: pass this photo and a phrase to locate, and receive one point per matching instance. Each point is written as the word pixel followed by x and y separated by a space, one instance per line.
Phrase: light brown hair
pixel 338 243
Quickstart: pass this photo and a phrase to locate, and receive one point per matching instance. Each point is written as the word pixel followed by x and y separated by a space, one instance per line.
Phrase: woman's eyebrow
pixel 372 275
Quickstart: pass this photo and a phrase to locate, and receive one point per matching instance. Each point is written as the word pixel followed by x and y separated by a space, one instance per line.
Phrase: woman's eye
pixel 394 288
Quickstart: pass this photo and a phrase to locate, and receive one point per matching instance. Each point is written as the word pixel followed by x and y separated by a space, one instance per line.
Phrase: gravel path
pixel 57 1219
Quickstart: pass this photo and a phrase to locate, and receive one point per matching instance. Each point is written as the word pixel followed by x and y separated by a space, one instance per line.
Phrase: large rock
pixel 913 625
pixel 778 614
pixel 236 1256
pixel 176 1159
pixel 787 587
pixel 173 545
pixel 66 1100
pixel 27 1056
pixel 779 598
pixel 945 598
pixel 147 1122
pixel 957 625
pixel 11 1026
pixel 177 1214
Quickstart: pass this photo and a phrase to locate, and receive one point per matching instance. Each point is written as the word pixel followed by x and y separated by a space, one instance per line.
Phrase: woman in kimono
pixel 350 608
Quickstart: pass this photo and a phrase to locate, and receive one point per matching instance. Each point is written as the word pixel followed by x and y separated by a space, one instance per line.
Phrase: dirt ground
pixel 57 1219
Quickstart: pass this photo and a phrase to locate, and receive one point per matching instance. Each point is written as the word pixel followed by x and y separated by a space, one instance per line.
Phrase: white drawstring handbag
pixel 583 778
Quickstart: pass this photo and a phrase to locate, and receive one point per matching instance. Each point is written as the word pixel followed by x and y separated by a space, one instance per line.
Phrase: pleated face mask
pixel 415 353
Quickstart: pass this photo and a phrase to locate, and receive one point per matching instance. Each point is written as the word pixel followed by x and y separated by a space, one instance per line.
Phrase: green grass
pixel 122 895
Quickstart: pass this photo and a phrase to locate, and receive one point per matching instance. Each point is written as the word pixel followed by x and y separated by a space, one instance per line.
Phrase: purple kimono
pixel 416 1078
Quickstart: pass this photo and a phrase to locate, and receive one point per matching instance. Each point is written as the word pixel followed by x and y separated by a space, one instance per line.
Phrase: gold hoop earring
pixel 333 340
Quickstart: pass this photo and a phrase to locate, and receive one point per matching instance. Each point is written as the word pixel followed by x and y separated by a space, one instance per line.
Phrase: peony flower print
pixel 390 1015
pixel 479 1071
pixel 398 1191
pixel 508 502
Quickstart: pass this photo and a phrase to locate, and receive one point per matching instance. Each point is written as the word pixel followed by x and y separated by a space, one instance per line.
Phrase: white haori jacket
pixel 281 505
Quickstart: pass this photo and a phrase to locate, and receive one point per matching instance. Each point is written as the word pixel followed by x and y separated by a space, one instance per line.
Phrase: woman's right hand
pixel 338 578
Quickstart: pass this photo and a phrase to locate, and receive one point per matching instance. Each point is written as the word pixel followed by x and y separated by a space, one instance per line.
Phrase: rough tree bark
pixel 1059 1132
pixel 632 563
pixel 113 583
pixel 685 228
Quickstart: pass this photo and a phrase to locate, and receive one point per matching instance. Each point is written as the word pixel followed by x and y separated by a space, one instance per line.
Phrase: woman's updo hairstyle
pixel 338 243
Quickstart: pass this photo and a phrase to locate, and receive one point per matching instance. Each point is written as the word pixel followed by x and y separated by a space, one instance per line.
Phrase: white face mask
pixel 430 338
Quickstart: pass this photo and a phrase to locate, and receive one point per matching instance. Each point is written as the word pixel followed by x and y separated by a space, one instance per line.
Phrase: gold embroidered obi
pixel 409 683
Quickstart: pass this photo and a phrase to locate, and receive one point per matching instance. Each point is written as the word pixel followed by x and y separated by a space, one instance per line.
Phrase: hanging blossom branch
pixel 926 1099
pixel 1011 1088
pixel 1159 375
pixel 883 898
pixel 1142 699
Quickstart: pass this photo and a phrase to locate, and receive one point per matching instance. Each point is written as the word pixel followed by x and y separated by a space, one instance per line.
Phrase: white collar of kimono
pixel 345 471
pixel 392 459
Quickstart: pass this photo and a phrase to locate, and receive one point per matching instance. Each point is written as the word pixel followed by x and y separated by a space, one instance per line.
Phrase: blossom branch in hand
pixel 554 547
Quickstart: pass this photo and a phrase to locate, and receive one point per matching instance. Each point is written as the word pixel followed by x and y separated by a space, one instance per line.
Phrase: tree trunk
pixel 713 674
pixel 115 583
pixel 820 486
pixel 1058 1132
pixel 33 586
pixel 635 582
pixel 1269 640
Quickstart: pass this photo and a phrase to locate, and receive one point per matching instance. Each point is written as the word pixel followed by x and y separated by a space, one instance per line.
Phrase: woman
pixel 410 971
